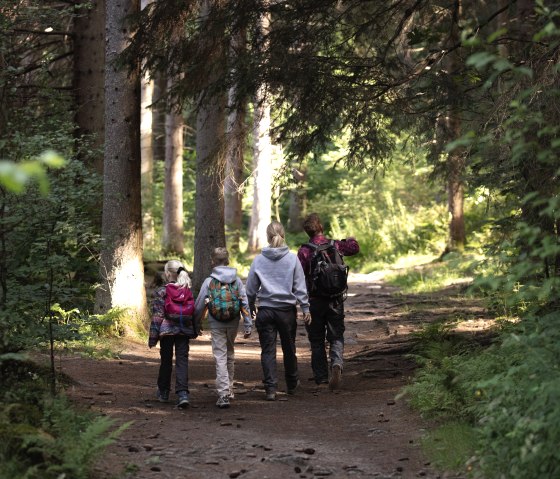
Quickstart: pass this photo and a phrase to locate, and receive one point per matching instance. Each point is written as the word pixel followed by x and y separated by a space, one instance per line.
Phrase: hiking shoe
pixel 162 396
pixel 183 400
pixel 223 402
pixel 336 377
pixel 293 389
pixel 271 395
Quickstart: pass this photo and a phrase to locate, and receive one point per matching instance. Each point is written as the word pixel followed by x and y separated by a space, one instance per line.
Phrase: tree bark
pixel 210 170
pixel 173 195
pixel 88 81
pixel 455 158
pixel 262 164
pixel 122 272
pixel 298 200
pixel 261 211
pixel 236 136
pixel 159 113
pixel 147 154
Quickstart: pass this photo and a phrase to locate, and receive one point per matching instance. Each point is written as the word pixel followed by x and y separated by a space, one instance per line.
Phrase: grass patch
pixel 436 275
pixel 450 446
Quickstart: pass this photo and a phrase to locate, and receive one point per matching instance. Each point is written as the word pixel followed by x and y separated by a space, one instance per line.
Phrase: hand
pixel 247 333
pixel 307 318
pixel 253 311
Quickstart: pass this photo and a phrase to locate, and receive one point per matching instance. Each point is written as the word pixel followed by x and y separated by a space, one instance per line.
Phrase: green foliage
pixel 15 176
pixel 392 213
pixel 452 270
pixel 450 446
pixel 44 437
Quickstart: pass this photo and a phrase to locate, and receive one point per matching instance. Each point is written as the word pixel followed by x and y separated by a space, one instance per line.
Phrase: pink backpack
pixel 179 304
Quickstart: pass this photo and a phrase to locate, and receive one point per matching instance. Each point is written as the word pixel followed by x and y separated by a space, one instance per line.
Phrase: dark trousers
pixel 327 322
pixel 270 322
pixel 181 344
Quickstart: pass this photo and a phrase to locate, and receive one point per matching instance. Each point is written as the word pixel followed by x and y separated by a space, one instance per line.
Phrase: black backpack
pixel 329 274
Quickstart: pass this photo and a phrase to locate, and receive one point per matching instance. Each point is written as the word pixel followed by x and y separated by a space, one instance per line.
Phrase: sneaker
pixel 271 395
pixel 162 396
pixel 183 400
pixel 231 394
pixel 293 389
pixel 336 377
pixel 223 402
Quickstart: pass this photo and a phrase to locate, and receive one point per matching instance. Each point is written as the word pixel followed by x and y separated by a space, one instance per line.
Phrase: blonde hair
pixel 275 235
pixel 220 256
pixel 176 272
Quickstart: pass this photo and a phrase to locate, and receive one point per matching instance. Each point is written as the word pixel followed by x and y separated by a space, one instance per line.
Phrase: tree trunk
pixel 236 136
pixel 89 69
pixel 210 169
pixel 262 164
pixel 455 158
pixel 147 154
pixel 173 195
pixel 122 269
pixel 159 113
pixel 298 200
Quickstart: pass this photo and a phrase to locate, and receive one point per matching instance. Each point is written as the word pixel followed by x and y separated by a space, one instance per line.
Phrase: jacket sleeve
pixel 253 285
pixel 200 301
pixel 347 247
pixel 299 288
pixel 245 314
pixel 158 315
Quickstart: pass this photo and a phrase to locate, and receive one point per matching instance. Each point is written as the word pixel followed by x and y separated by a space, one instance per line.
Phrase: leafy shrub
pixel 41 436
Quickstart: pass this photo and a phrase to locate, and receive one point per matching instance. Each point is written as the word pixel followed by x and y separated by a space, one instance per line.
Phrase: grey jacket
pixel 276 279
pixel 224 274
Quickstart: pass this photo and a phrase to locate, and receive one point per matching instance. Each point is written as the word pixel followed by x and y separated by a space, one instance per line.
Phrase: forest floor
pixel 360 430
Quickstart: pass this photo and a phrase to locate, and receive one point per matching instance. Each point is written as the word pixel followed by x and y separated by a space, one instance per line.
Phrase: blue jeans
pixel 269 323
pixel 327 322
pixel 181 344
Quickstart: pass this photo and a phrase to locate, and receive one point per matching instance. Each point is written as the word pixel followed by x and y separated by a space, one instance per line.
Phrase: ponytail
pixel 175 267
pixel 275 235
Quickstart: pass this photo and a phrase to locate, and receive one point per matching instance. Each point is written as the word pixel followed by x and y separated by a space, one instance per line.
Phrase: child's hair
pixel 275 235
pixel 175 271
pixel 220 256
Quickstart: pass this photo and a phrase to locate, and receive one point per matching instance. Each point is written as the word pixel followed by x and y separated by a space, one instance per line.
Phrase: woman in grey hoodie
pixel 277 283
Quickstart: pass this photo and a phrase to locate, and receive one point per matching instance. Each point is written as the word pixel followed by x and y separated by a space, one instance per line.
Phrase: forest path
pixel 360 430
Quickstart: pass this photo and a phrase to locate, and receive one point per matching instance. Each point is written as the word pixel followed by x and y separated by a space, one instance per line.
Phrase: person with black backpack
pixel 277 283
pixel 326 279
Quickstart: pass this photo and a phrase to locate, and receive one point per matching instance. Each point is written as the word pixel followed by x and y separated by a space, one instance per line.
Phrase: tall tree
pixel 147 153
pixel 210 159
pixel 456 157
pixel 298 200
pixel 173 192
pixel 89 66
pixel 261 211
pixel 121 265
pixel 236 137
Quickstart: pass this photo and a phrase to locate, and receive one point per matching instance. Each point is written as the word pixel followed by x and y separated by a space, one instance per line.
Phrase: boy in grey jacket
pixel 223 332
pixel 277 282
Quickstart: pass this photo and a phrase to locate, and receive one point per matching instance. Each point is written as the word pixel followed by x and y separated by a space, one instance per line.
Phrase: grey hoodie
pixel 276 278
pixel 227 275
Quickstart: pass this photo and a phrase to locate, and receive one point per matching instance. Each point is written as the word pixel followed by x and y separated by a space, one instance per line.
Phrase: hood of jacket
pixel 177 293
pixel 224 274
pixel 274 254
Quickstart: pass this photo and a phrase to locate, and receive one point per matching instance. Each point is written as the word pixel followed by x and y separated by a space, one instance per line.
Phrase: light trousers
pixel 223 340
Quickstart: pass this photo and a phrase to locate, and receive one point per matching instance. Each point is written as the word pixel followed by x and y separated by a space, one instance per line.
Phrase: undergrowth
pixel 501 400
pixel 41 436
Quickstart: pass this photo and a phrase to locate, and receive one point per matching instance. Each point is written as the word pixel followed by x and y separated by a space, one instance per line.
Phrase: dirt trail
pixel 357 431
